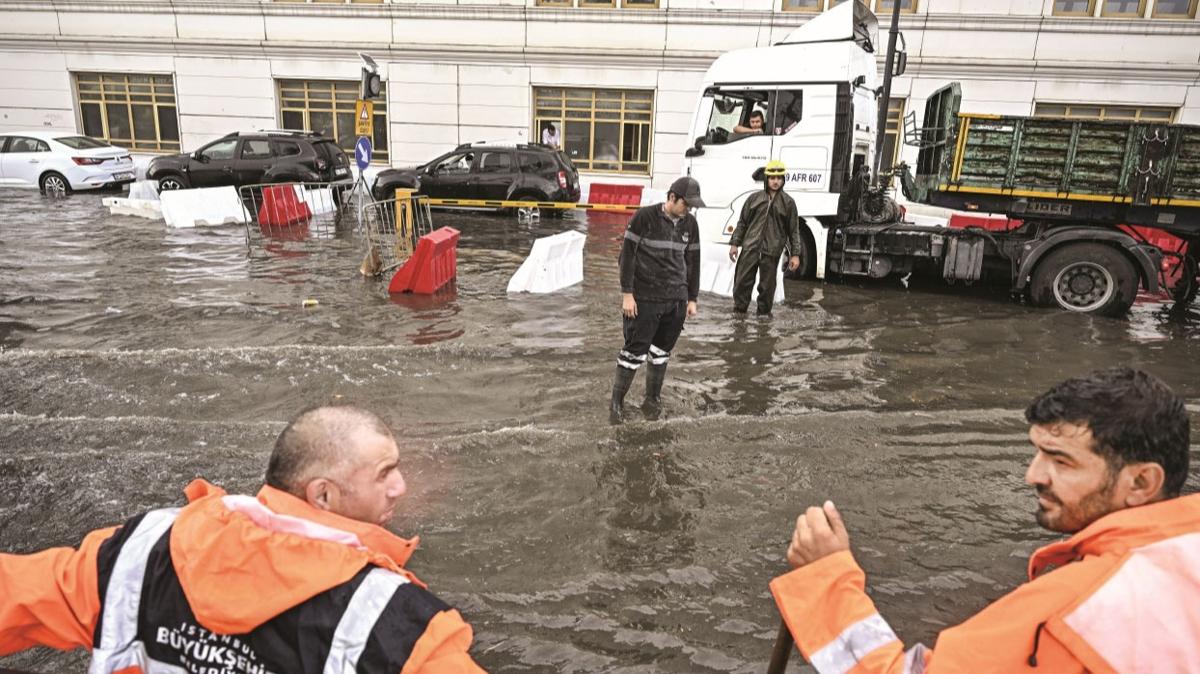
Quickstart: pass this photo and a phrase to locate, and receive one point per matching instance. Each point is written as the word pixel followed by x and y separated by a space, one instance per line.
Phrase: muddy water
pixel 135 358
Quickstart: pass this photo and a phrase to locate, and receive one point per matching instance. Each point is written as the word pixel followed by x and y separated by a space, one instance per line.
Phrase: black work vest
pixel 370 623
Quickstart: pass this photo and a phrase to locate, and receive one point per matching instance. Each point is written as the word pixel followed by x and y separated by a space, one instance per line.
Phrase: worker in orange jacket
pixel 301 579
pixel 1122 594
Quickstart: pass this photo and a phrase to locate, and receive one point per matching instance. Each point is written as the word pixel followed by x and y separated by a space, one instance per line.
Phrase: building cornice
pixel 470 11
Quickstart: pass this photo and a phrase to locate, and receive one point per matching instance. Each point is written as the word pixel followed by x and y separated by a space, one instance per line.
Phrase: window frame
pixel 286 89
pixel 1189 13
pixel 1104 107
pixel 629 118
pixel 108 92
pixel 598 4
pixel 1091 10
pixel 1141 11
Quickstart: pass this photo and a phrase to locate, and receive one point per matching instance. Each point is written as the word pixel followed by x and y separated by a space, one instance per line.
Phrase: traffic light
pixel 371 84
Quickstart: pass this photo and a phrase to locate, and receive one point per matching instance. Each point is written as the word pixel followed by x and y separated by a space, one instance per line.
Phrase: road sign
pixel 364 115
pixel 362 153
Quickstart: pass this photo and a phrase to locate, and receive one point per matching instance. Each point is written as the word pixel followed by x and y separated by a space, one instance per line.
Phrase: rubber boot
pixel 654 383
pixel 621 384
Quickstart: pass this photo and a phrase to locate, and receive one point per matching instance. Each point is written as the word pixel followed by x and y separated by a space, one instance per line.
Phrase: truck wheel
pixel 1089 278
pixel 808 261
pixel 1185 290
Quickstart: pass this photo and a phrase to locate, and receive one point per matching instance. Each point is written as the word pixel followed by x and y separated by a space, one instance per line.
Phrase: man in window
pixel 550 135
pixel 756 124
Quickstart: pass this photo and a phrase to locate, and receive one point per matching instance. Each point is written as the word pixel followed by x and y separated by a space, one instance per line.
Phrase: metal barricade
pixel 393 227
pixel 294 211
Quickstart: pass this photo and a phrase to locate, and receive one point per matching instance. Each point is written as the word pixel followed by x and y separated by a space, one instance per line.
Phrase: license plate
pixel 342 172
pixel 122 176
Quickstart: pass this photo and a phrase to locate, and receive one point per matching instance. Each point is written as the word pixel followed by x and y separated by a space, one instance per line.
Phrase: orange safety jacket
pixel 266 585
pixel 1122 595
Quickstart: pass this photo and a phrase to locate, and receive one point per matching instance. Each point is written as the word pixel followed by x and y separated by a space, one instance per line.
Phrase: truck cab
pixel 814 93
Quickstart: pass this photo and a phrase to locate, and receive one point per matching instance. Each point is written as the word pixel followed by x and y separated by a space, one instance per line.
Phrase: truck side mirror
pixel 696 149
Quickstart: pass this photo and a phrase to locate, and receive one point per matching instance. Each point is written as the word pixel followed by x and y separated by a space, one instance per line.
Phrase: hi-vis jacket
pixel 1123 596
pixel 234 584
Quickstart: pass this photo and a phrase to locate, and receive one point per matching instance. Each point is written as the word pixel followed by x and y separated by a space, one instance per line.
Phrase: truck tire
pixel 1088 278
pixel 808 261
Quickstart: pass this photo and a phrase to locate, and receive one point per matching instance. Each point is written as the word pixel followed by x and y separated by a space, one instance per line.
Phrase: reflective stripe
pixel 363 611
pixel 656 243
pixel 852 645
pixel 655 351
pixel 692 246
pixel 118 647
pixel 914 659
pixel 1145 615
pixel 629 361
pixel 661 360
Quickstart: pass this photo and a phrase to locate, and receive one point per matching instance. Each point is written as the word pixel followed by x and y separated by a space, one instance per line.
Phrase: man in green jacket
pixel 768 224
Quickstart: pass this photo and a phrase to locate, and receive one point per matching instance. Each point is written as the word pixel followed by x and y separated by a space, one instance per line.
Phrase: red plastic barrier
pixel 433 264
pixel 281 207
pixel 617 195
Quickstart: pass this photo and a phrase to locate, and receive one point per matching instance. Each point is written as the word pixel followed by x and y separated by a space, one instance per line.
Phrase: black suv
pixel 252 158
pixel 524 172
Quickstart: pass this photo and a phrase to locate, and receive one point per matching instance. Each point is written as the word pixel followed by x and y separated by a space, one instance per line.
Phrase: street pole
pixel 886 97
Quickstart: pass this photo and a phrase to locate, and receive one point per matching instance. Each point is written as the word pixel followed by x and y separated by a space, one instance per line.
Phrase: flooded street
pixel 134 358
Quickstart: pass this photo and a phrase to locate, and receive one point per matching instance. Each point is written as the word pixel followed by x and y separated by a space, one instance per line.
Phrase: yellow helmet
pixel 775 168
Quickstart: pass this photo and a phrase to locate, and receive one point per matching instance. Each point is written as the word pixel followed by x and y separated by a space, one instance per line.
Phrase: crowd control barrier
pixel 207 206
pixel 393 227
pixel 554 263
pixel 293 211
pixel 433 265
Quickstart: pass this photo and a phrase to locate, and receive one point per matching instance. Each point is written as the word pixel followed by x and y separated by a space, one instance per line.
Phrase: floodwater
pixel 134 358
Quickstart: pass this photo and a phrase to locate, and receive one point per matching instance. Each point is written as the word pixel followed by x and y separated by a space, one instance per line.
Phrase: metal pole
pixel 886 97
pixel 783 650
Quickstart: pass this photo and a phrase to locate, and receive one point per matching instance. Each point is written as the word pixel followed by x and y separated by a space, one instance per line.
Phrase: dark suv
pixel 252 158
pixel 524 172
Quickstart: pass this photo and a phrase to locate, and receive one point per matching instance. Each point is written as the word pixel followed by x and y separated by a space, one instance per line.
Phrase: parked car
pixel 253 158
pixel 519 172
pixel 60 162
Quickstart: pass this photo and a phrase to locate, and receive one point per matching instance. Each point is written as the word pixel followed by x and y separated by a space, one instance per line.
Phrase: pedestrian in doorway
pixel 1122 594
pixel 767 226
pixel 660 282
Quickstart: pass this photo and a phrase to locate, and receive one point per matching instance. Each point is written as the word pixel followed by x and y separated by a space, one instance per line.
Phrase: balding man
pixel 302 578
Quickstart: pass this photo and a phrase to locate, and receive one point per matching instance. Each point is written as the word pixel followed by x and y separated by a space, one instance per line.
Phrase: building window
pixel 1074 7
pixel 133 111
pixel 327 107
pixel 600 4
pixel 803 5
pixel 1122 7
pixel 878 6
pixel 599 129
pixel 336 2
pixel 1174 9
pixel 1111 113
pixel 891 136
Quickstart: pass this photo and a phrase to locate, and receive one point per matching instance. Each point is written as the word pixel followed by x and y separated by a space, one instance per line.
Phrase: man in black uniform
pixel 660 281
pixel 768 223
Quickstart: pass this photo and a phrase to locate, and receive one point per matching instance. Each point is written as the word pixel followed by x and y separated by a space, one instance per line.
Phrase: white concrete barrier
pixel 716 271
pixel 144 189
pixel 142 208
pixel 207 206
pixel 554 263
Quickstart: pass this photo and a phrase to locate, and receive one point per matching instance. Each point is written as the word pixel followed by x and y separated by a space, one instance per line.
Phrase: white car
pixel 60 162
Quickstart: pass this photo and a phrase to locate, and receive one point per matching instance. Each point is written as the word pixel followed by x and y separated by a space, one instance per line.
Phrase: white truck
pixel 1085 192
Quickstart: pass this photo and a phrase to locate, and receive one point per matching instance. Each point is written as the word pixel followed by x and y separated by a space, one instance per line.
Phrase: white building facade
pixel 614 82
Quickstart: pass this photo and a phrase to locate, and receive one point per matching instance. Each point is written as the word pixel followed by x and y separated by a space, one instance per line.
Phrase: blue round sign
pixel 362 153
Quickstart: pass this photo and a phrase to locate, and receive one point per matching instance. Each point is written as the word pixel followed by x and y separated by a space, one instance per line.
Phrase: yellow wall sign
pixel 364 114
